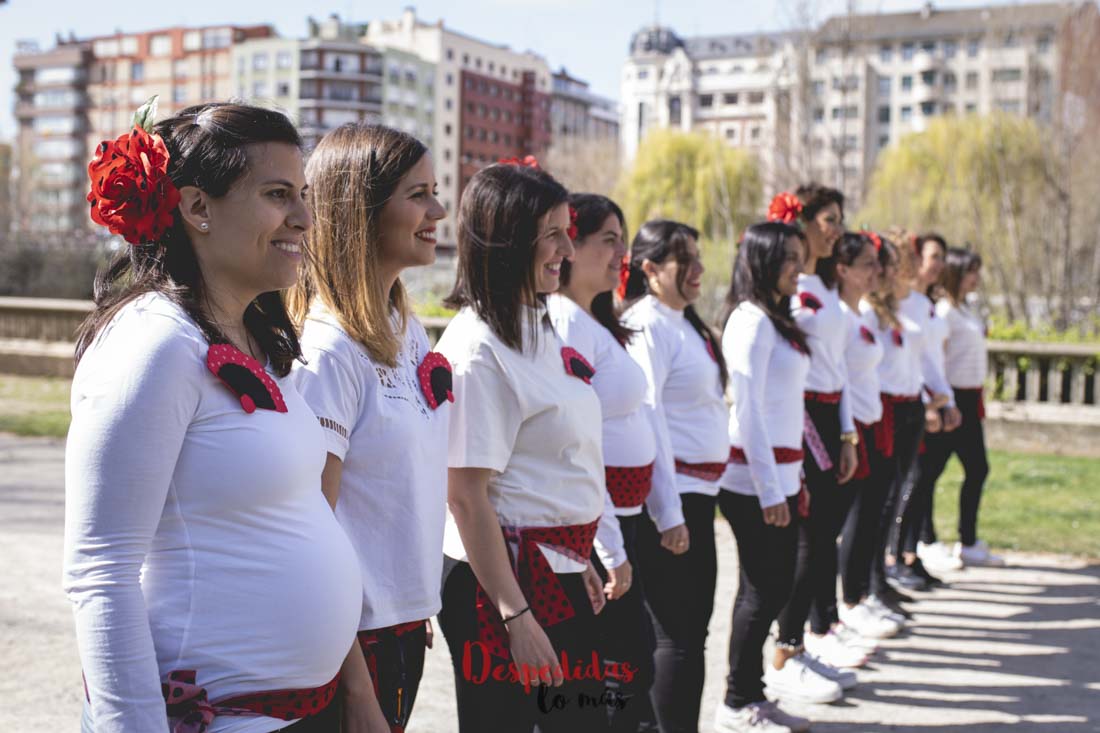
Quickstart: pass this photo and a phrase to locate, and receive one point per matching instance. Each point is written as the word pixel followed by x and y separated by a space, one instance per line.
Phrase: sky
pixel 590 38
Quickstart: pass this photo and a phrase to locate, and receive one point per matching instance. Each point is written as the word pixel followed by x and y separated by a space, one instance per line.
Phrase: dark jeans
pixel 968 443
pixel 626 638
pixel 913 501
pixel 679 593
pixel 861 528
pixel 767 564
pixel 488 704
pixel 396 664
pixel 814 592
pixel 908 429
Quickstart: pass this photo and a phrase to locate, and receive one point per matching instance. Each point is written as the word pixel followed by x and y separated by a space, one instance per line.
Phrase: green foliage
pixel 433 310
pixel 29 269
pixel 697 179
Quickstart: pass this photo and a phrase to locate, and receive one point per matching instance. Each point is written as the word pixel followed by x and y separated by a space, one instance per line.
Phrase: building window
pixel 906 113
pixel 884 115
pixel 928 78
pixel 908 50
pixel 756 97
pixel 729 99
pixel 1043 44
pixel 950 48
pixel 821 56
pixel 1012 106
pixel 907 83
pixel 885 53
pixel 192 41
pixel 884 86
pixel 259 61
pixel 755 133
pixel 160 46
pixel 465 59
pixel 259 89
pixel 950 81
pixel 928 108
pixel 818 88
pixel 450 79
pixel 971 80
pixel 928 47
pixel 449 103
pixel 883 140
pixel 674 110
pixel 1007 75
pixel 706 100
pixel 971 108
pixel 137 71
pixel 972 47
pixel 284 60
pixel 447 154
pixel 450 54
pixel 819 114
pixel 731 133
pixel 477 62
pixel 282 89
pixel 643 73
pixel 446 180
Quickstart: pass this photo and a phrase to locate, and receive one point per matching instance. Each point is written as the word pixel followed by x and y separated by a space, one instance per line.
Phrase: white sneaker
pixel 796 682
pixel 978 554
pixel 795 723
pixel 755 718
pixel 877 606
pixel 854 639
pixel 831 650
pixel 845 678
pixel 868 619
pixel 938 556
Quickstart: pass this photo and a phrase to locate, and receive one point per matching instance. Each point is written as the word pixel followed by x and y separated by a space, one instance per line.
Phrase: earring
pixel 204 226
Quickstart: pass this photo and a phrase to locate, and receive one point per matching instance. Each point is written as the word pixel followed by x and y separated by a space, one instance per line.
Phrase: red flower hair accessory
pixel 436 379
pixel 528 161
pixel 785 207
pixel 245 378
pixel 131 193
pixel 572 230
pixel 576 365
pixel 624 276
pixel 876 240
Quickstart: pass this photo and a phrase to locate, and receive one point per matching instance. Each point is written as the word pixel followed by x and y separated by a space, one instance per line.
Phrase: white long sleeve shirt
pixel 767 378
pixel 817 311
pixel 966 352
pixel 899 370
pixel 932 332
pixel 684 400
pixel 863 355
pixel 196 535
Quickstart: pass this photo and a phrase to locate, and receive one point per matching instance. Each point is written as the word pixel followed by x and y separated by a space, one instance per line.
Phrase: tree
pixel 697 179
pixel 1000 185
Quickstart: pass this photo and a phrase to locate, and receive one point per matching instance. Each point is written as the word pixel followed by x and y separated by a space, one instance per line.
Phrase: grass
pixel 1032 503
pixel 34 406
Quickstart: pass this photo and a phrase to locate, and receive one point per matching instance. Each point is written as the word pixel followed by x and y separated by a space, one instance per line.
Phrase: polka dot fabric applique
pixel 866 335
pixel 576 365
pixel 245 378
pixel 436 379
pixel 629 487
pixel 190 712
pixel 809 300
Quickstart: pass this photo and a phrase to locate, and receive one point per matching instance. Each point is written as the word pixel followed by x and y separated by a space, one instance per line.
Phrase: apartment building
pixel 578 115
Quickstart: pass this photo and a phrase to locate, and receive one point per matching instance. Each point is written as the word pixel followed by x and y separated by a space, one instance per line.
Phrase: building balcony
pixel 925 61
pixel 342 75
pixel 369 104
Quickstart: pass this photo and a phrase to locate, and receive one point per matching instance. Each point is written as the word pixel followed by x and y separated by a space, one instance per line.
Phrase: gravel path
pixel 1014 648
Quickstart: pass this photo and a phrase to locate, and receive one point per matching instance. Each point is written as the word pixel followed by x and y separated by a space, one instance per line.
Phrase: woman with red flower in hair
pixel 210 579
pixel 380 393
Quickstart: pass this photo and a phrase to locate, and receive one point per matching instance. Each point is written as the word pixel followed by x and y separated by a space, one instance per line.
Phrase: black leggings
pixel 968 443
pixel 861 528
pixel 396 664
pixel 814 592
pixel 908 429
pixel 488 704
pixel 679 591
pixel 767 564
pixel 626 638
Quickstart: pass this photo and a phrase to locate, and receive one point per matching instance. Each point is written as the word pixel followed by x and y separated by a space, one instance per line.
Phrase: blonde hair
pixel 352 173
pixel 883 301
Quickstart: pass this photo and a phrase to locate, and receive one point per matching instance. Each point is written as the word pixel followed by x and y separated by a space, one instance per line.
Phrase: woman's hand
pixel 676 539
pixel 532 652
pixel 849 462
pixel 932 422
pixel 618 581
pixel 952 419
pixel 777 515
pixel 594 586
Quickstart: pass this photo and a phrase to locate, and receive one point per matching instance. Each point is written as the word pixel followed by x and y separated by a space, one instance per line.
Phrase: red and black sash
pixel 629 486
pixel 884 428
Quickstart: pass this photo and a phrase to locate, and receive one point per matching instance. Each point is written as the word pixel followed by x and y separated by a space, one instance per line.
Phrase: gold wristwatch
pixel 852 438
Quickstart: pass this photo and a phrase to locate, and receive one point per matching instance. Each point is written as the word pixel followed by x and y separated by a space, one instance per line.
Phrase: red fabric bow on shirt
pixel 576 365
pixel 866 335
pixel 809 300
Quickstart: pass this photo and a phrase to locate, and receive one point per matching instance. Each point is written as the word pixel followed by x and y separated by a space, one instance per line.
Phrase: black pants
pixel 814 592
pixel 487 704
pixel 326 721
pixel 968 443
pixel 627 642
pixel 767 564
pixel 861 527
pixel 396 664
pixel 679 592
pixel 915 500
pixel 908 429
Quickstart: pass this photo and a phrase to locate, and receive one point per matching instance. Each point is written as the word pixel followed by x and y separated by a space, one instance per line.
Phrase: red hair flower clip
pixel 809 300
pixel 785 207
pixel 572 230
pixel 875 239
pixel 245 378
pixel 866 335
pixel 131 192
pixel 624 276
pixel 528 161
pixel 436 379
pixel 576 365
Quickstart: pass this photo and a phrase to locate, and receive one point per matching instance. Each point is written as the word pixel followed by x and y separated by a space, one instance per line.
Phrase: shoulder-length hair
pixel 656 241
pixel 498 228
pixel 756 271
pixel 353 173
pixel 959 261
pixel 814 198
pixel 883 301
pixel 207 149
pixel 592 211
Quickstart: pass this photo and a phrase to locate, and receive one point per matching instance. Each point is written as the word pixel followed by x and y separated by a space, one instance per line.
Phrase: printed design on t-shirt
pixel 809 300
pixel 245 378
pixel 576 365
pixel 402 382
pixel 436 379
pixel 896 334
pixel 866 335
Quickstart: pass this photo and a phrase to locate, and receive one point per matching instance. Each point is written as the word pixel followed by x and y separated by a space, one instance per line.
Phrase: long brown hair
pixel 352 173
pixel 883 301
pixel 206 148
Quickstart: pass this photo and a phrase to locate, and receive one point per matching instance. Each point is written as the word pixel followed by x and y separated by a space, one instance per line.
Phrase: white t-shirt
pixel 919 308
pixel 899 371
pixel 685 401
pixel 536 426
pixel 393 487
pixel 863 354
pixel 196 535
pixel 966 357
pixel 817 311
pixel 620 383
pixel 767 378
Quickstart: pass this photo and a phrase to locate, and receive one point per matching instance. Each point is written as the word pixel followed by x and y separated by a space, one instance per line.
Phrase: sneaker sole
pixel 801 696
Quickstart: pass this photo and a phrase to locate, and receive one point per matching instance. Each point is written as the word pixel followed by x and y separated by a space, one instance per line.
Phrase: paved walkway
pixel 1014 649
